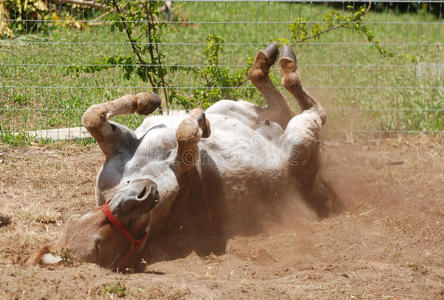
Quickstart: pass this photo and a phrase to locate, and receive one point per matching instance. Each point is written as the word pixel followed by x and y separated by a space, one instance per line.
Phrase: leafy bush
pixel 216 82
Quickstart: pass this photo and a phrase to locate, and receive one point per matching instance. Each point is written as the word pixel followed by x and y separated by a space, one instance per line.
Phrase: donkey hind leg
pixel 292 83
pixel 112 136
pixel 301 141
pixel 277 109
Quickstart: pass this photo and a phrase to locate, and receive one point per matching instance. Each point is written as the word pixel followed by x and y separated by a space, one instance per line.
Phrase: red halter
pixel 135 244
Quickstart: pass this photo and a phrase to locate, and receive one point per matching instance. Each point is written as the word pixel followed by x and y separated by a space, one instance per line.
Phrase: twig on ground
pixel 366 213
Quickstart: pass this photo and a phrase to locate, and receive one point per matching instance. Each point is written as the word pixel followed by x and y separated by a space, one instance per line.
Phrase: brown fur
pixel 188 135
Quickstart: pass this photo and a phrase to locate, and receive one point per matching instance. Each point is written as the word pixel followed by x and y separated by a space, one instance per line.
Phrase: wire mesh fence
pixel 67 55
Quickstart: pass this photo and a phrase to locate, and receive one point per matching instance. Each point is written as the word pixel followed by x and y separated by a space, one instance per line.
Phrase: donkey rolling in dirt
pixel 190 182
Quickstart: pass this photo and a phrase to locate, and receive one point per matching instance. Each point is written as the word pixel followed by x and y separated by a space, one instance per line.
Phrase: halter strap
pixel 135 244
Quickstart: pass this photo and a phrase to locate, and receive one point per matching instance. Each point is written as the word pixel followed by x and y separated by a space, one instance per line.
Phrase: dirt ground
pixel 387 244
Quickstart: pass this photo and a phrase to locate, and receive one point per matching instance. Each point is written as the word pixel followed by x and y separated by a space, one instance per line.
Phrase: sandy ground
pixel 387 244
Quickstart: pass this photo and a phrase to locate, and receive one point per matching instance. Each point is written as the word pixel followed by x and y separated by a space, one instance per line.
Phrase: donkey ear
pixel 43 257
pixel 140 194
pixel 50 259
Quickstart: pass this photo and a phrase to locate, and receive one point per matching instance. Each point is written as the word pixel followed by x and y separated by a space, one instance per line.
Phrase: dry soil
pixel 388 243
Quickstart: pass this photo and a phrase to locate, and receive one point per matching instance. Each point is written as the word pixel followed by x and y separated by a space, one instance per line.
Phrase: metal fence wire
pixel 55 61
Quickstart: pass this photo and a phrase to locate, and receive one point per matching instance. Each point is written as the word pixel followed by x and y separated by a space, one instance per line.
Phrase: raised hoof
pixel 287 65
pixel 287 53
pixel 147 103
pixel 264 60
pixel 202 121
pixel 270 52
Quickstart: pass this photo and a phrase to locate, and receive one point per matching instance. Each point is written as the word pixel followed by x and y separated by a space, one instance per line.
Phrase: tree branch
pixel 141 60
pixel 321 32
pixel 152 30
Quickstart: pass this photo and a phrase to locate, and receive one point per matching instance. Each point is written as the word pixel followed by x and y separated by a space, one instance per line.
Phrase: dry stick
pixel 103 15
pixel 116 6
pixel 85 3
pixel 96 21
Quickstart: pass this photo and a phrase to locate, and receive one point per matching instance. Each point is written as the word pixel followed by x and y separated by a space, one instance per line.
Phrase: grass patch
pixel 350 78
pixel 18 139
pixel 115 289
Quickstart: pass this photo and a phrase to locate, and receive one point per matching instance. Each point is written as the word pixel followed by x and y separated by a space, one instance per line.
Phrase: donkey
pixel 189 182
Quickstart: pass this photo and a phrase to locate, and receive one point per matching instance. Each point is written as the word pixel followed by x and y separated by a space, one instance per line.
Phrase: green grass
pixel 359 88
pixel 115 289
pixel 15 139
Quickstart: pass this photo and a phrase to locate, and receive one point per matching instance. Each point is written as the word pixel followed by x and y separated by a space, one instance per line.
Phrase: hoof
pixel 147 103
pixel 264 60
pixel 202 121
pixel 270 52
pixel 287 53
pixel 287 64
